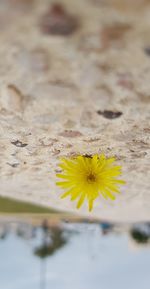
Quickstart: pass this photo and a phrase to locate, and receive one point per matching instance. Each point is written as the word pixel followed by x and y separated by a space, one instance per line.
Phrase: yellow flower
pixel 86 177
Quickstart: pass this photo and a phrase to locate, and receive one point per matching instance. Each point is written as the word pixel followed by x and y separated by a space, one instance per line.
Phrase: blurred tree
pixel 55 242
pixel 139 236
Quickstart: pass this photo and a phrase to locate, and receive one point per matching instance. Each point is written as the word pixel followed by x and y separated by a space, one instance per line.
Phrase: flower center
pixel 91 178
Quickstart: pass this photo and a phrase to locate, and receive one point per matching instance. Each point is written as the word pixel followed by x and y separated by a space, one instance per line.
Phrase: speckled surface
pixel 56 92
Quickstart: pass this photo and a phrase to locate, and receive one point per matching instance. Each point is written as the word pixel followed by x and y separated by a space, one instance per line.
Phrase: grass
pixel 8 205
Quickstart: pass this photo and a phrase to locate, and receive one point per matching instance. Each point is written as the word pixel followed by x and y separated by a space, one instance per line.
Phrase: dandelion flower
pixel 87 177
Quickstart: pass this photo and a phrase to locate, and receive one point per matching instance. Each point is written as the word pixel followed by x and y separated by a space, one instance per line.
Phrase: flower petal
pixel 81 200
pixel 91 205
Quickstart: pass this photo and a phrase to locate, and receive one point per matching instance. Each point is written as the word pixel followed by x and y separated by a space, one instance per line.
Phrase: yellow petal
pixel 61 176
pixel 81 200
pixel 113 188
pixel 120 182
pixel 109 194
pixel 66 194
pixel 75 194
pixel 91 205
pixel 110 161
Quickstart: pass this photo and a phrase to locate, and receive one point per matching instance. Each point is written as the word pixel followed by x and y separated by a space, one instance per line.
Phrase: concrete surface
pixel 77 91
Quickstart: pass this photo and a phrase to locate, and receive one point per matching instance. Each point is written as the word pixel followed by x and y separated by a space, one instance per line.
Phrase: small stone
pixel 88 156
pixel 55 152
pixel 58 22
pixel 147 51
pixel 112 35
pixel 13 165
pixel 11 98
pixel 110 114
pixel 18 143
pixel 70 133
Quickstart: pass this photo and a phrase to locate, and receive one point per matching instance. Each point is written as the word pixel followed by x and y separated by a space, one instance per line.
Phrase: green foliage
pixel 13 206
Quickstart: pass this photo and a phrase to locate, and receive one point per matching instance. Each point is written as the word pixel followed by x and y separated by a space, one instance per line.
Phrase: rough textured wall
pixel 75 81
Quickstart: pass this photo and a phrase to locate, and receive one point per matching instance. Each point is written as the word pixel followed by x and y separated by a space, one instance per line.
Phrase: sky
pixel 88 261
